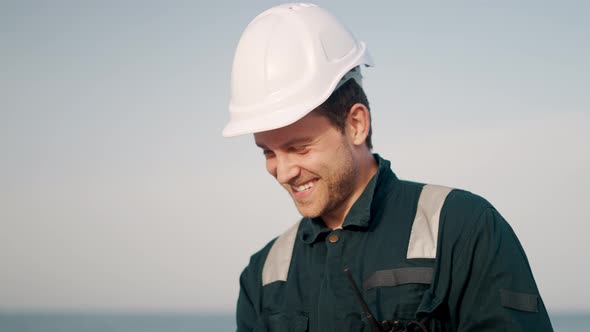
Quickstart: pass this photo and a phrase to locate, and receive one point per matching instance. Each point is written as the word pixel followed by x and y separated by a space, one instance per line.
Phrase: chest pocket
pixel 396 294
pixel 282 322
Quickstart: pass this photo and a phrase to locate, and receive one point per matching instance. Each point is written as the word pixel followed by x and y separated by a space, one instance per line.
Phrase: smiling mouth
pixel 304 187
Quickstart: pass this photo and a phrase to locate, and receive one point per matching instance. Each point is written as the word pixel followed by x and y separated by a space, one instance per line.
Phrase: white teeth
pixel 303 187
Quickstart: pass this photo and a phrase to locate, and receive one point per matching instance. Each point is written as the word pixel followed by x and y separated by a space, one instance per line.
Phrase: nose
pixel 286 169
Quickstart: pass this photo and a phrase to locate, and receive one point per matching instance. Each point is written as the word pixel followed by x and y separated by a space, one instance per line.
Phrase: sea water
pixel 102 322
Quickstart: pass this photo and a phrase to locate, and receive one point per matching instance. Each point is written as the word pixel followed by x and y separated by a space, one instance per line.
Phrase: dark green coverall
pixel 476 277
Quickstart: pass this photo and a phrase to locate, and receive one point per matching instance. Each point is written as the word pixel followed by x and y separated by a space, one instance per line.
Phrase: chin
pixel 308 212
pixel 308 215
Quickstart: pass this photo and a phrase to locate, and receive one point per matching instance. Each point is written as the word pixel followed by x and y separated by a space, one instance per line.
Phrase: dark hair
pixel 338 105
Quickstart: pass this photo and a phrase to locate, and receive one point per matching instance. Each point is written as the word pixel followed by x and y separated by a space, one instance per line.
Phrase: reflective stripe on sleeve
pixel 519 301
pixel 276 265
pixel 424 234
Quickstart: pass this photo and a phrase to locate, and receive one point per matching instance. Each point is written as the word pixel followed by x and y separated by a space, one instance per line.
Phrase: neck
pixel 367 168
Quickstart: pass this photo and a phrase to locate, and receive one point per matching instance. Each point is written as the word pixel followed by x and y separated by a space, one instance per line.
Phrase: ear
pixel 358 123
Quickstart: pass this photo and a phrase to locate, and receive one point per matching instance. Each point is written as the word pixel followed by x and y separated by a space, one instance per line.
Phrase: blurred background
pixel 118 194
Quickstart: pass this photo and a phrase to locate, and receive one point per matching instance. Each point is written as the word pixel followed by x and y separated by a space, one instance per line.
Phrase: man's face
pixel 314 162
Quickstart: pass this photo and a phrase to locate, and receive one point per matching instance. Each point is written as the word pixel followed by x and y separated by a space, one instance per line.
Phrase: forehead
pixel 309 127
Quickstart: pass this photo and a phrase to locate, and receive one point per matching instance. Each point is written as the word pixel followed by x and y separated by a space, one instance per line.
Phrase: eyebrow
pixel 294 141
pixel 262 146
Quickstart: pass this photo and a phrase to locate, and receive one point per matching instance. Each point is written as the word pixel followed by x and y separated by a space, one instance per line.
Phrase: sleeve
pixel 492 287
pixel 247 312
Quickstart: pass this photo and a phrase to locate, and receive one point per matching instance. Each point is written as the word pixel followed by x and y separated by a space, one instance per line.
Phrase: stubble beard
pixel 337 187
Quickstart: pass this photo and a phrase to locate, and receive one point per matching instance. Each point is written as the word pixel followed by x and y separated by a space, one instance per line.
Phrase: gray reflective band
pixel 424 234
pixel 519 301
pixel 276 266
pixel 401 276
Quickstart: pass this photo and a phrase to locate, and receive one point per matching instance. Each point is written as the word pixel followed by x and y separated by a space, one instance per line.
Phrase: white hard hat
pixel 288 61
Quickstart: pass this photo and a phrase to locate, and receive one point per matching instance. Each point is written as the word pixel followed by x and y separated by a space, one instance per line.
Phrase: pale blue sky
pixel 118 192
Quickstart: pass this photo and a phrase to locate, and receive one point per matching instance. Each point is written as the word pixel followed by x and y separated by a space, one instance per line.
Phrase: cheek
pixel 315 163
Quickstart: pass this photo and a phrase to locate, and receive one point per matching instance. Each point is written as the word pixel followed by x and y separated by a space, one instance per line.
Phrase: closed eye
pixel 268 153
pixel 300 149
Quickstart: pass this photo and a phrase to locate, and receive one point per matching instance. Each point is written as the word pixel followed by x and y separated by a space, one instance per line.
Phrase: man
pixel 372 252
